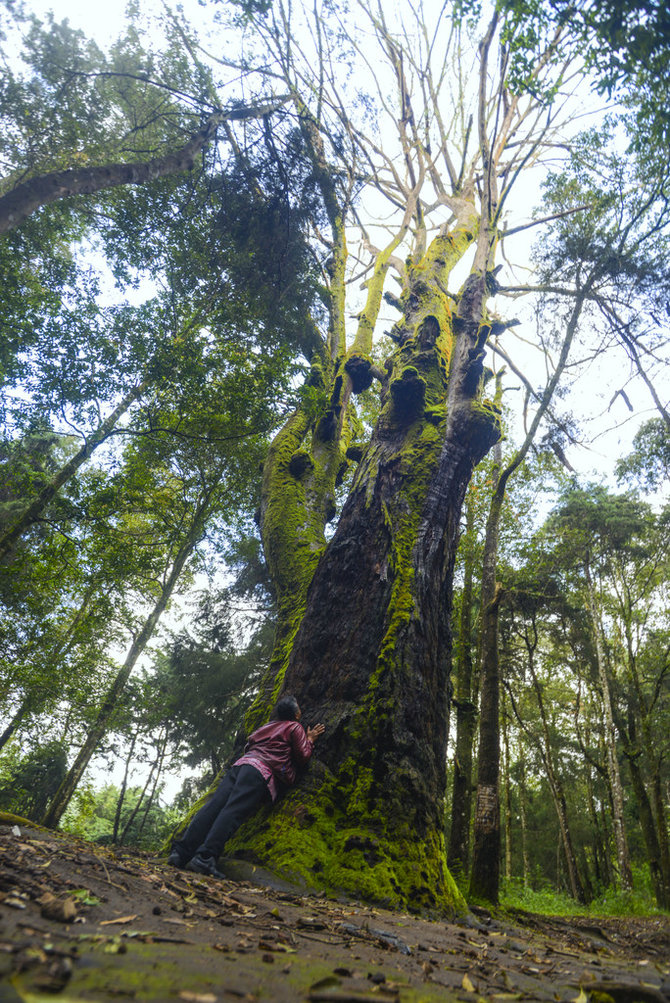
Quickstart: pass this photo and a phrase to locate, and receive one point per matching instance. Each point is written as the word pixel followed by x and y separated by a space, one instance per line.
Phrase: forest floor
pixel 80 922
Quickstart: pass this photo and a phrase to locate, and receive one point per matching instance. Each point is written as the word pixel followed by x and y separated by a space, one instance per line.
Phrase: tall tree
pixel 387 570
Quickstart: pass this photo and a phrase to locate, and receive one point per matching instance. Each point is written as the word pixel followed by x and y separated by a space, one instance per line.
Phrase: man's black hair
pixel 286 708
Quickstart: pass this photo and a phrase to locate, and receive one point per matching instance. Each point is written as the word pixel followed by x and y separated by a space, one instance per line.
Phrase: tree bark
pixel 23 200
pixel 523 817
pixel 16 720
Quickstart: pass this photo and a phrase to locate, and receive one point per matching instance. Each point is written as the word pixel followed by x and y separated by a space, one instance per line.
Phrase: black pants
pixel 240 793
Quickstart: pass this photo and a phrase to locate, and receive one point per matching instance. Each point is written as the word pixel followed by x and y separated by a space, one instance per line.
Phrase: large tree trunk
pixel 371 656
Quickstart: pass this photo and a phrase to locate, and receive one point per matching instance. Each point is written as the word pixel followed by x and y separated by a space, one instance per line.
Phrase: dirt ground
pixel 78 922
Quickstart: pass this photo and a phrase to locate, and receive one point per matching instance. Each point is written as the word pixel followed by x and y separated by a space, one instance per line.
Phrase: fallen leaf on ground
pixel 467 984
pixel 121 919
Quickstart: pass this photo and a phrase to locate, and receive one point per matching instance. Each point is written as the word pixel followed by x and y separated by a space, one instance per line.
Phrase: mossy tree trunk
pixel 371 655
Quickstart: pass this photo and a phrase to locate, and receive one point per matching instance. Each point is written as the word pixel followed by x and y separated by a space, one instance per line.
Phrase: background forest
pixel 230 241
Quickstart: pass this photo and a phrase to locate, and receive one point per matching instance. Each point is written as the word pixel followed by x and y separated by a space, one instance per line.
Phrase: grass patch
pixel 612 902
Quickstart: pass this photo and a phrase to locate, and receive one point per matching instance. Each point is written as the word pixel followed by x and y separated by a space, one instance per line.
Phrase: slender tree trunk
pixel 599 865
pixel 649 831
pixel 33 511
pixel 558 794
pixel 585 873
pixel 139 803
pixel 485 875
pixel 555 785
pixel 157 776
pixel 648 822
pixel 67 788
pixel 122 793
pixel 660 803
pixel 458 853
pixel 640 748
pixel 16 720
pixel 508 799
pixel 621 842
pixel 523 817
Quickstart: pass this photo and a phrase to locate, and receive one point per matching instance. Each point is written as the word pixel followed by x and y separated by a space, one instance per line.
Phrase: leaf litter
pixel 117 939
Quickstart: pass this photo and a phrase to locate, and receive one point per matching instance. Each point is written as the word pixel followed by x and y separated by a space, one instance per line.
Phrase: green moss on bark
pixel 318 837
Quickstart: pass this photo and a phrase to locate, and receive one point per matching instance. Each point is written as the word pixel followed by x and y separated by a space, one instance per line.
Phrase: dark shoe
pixel 204 865
pixel 175 859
